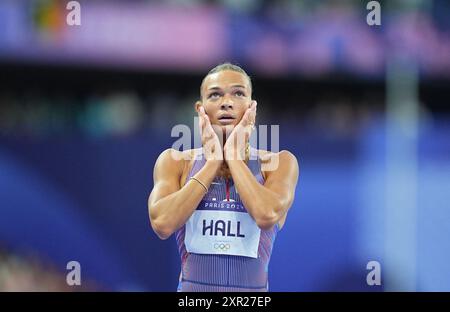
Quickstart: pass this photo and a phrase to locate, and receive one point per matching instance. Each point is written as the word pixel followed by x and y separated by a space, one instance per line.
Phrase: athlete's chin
pixel 228 128
pixel 224 128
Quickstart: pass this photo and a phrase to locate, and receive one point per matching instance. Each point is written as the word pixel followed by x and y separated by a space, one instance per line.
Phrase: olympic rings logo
pixel 222 246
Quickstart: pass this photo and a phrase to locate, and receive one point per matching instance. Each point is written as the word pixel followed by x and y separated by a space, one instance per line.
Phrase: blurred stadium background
pixel 85 111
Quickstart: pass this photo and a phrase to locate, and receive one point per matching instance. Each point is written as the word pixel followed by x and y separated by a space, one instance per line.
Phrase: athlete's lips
pixel 226 118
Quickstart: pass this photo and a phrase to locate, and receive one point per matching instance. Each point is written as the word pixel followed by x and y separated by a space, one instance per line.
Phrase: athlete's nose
pixel 226 103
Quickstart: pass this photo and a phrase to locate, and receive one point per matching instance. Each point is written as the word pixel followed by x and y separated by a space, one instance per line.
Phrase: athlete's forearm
pixel 169 213
pixel 261 203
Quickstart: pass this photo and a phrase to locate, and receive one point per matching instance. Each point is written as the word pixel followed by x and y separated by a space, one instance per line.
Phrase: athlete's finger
pixel 245 119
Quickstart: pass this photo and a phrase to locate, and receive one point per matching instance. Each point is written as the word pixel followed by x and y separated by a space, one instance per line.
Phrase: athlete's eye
pixel 240 93
pixel 213 95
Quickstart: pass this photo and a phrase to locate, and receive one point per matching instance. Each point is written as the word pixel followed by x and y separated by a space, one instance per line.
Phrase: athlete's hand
pixel 235 146
pixel 212 148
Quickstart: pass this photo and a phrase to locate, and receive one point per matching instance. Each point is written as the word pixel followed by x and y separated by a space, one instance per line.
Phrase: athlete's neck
pixel 224 171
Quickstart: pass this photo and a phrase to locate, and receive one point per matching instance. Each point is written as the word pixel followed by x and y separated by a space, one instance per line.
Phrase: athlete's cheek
pixel 209 110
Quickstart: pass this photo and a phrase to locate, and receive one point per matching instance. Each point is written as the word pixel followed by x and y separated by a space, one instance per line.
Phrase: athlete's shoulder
pixel 174 155
pixel 190 154
pixel 283 155
pixel 175 159
pixel 273 161
pixel 288 156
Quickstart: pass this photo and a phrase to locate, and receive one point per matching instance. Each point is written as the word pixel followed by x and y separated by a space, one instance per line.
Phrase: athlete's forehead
pixel 225 79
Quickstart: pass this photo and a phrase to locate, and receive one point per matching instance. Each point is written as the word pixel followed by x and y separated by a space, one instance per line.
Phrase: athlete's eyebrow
pixel 233 86
pixel 214 88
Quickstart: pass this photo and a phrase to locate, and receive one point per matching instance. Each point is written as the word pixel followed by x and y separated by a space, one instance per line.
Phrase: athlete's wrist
pixel 213 164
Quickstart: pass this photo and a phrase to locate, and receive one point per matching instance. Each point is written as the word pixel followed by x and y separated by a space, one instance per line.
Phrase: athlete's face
pixel 225 96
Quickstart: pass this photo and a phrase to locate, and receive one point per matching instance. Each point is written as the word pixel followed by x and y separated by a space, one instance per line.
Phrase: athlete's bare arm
pixel 268 203
pixel 171 205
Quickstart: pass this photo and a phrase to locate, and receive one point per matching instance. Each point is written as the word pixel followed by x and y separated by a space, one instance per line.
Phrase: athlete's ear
pixel 197 105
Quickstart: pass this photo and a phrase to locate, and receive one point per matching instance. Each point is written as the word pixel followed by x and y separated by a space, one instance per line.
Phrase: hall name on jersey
pixel 220 227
